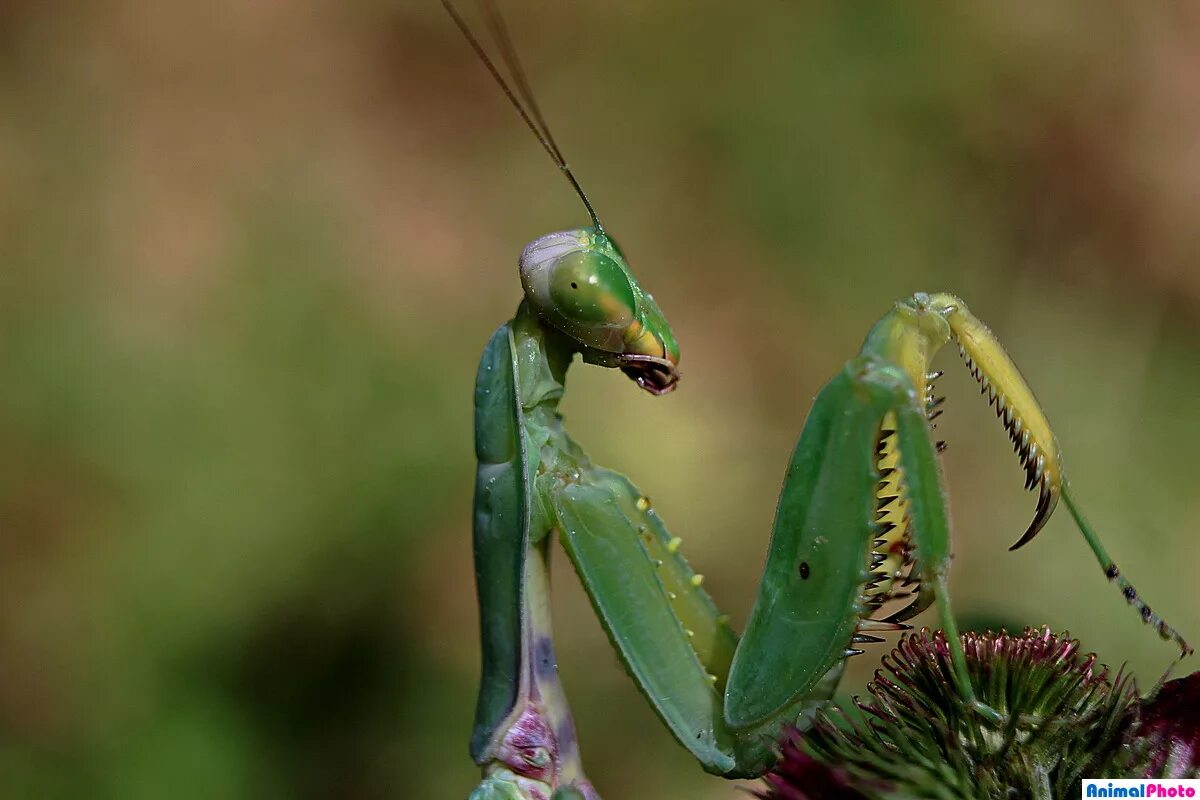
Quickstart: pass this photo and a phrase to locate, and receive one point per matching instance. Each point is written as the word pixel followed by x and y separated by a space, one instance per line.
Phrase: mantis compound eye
pixel 579 288
pixel 579 283
pixel 590 290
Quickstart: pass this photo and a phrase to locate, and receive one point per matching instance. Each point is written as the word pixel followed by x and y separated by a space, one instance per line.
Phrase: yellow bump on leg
pixel 697 579
pixel 673 545
pixel 723 619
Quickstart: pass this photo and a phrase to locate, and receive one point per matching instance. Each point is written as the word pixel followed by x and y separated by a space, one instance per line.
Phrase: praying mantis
pixel 860 542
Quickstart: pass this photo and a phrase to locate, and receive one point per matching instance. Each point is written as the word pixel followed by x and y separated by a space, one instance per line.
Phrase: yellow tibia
pixel 1015 404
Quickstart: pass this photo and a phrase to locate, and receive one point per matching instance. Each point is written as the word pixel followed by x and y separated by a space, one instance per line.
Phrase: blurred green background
pixel 250 253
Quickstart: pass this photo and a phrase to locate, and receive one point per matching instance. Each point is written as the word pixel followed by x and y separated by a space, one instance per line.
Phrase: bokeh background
pixel 250 253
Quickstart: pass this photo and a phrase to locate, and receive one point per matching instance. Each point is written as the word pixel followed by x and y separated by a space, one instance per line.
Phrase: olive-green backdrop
pixel 250 253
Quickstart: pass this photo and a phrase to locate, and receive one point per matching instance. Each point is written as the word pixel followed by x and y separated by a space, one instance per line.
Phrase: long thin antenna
pixel 509 56
pixel 508 52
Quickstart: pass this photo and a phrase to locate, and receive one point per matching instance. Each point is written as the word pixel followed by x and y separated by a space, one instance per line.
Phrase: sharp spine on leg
pixel 862 638
pixel 890 561
pixel 1028 452
pixel 883 626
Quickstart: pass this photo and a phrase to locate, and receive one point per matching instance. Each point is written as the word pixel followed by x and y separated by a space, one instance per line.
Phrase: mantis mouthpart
pixel 861 523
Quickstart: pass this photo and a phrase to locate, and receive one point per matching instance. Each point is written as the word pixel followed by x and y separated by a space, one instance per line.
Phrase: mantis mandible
pixel 861 520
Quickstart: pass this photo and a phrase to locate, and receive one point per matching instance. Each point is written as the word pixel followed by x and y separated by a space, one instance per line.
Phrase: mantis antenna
pixel 522 100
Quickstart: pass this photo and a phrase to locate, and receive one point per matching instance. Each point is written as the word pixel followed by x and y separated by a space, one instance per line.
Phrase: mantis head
pixel 577 280
pixel 579 283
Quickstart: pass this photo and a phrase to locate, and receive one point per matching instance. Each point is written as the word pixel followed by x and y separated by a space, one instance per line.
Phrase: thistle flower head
pixel 1067 718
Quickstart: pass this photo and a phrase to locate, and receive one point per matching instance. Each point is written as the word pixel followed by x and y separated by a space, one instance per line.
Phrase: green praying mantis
pixel 861 524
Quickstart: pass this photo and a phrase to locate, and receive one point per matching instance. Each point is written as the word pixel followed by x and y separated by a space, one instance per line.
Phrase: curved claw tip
pixel 1024 540
pixel 1045 506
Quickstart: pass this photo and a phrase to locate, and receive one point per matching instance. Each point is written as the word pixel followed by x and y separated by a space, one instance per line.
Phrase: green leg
pixel 812 596
pixel 536 753
pixel 931 533
pixel 622 580
pixel 663 624
pixel 524 736
pixel 1114 575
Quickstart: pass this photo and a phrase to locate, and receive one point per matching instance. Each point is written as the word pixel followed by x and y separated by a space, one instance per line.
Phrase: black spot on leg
pixel 1146 613
pixel 1112 572
pixel 804 570
pixel 1130 593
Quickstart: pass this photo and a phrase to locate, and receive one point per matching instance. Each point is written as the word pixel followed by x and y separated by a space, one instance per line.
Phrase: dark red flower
pixel 1170 726
pixel 799 776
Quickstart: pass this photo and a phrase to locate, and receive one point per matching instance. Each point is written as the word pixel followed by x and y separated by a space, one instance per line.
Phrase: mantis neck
pixel 543 357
